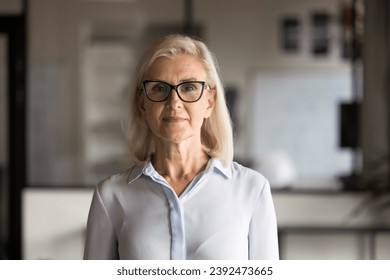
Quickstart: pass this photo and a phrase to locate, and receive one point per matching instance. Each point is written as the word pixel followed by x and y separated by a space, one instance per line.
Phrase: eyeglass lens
pixel 188 91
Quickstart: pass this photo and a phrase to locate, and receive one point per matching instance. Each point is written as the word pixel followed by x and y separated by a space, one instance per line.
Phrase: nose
pixel 174 99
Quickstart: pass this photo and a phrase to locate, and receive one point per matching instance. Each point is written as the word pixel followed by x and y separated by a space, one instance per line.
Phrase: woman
pixel 184 198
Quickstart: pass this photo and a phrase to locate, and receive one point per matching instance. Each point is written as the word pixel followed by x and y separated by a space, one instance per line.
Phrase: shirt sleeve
pixel 101 242
pixel 263 235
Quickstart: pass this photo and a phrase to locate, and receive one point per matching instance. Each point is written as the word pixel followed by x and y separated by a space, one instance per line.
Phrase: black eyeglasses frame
pixel 174 87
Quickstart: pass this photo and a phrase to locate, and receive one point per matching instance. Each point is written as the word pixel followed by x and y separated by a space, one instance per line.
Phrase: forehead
pixel 182 66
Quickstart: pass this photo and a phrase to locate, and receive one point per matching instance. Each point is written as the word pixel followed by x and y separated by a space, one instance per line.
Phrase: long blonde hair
pixel 216 132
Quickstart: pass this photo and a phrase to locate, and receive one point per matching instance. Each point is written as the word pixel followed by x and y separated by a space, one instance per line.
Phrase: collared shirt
pixel 226 212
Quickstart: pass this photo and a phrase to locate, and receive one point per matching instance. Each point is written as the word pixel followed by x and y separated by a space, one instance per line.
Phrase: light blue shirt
pixel 226 212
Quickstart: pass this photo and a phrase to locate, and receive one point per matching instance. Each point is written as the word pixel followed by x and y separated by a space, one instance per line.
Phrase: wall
pixel 10 7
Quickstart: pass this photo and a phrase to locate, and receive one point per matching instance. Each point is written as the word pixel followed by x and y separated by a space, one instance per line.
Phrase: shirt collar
pixel 147 168
pixel 135 173
pixel 215 164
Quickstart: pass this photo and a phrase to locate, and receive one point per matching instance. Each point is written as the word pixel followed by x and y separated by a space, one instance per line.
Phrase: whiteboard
pixel 296 112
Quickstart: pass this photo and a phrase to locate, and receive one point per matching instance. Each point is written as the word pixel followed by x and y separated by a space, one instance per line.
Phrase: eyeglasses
pixel 158 91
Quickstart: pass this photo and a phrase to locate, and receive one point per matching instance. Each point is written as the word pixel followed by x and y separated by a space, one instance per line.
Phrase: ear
pixel 211 100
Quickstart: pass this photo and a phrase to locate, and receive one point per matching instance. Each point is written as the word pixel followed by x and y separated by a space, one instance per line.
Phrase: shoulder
pixel 114 183
pixel 244 185
pixel 245 173
pixel 251 179
pixel 244 177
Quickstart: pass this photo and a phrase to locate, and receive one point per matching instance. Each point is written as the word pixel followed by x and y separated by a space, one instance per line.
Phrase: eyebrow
pixel 180 81
pixel 188 80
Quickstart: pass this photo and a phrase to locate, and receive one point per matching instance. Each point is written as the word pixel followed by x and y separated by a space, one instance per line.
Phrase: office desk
pixel 333 224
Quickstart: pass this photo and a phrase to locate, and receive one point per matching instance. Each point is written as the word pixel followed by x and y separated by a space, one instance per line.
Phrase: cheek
pixel 198 116
pixel 152 114
pixel 151 117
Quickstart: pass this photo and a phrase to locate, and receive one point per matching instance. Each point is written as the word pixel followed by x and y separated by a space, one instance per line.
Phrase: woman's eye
pixel 159 88
pixel 189 88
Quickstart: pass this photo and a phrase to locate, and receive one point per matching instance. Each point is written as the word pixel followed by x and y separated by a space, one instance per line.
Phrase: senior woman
pixel 185 197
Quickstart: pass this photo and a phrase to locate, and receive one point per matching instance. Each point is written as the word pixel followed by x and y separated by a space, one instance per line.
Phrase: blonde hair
pixel 216 131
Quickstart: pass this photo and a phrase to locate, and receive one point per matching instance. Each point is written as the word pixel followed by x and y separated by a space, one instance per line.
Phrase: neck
pixel 179 160
pixel 179 163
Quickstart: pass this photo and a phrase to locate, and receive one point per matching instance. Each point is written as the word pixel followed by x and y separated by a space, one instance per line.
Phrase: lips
pixel 174 119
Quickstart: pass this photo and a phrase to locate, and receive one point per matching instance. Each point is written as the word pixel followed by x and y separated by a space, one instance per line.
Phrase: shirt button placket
pixel 178 246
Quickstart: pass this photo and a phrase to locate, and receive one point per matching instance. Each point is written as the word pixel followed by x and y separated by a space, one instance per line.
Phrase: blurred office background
pixel 307 82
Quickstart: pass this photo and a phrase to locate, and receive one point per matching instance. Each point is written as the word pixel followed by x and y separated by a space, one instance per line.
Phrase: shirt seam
pixel 251 220
pixel 104 207
pixel 257 200
pixel 130 177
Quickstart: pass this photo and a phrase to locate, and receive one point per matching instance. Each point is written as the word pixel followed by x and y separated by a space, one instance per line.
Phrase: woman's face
pixel 174 120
